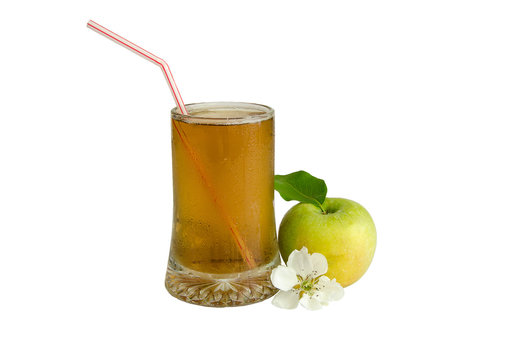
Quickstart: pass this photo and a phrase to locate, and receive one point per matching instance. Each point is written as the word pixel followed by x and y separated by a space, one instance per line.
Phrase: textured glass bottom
pixel 220 290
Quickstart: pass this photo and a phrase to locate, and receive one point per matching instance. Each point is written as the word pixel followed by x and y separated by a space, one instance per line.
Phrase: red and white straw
pixel 145 54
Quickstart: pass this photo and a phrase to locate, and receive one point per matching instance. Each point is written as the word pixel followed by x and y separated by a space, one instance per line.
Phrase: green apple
pixel 345 233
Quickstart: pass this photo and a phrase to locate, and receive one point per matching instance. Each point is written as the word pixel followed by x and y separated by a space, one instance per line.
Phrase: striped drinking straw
pixel 147 55
pixel 239 241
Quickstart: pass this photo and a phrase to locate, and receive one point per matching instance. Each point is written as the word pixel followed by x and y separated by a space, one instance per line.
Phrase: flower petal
pixel 333 290
pixel 283 278
pixel 321 297
pixel 319 263
pixel 286 299
pixel 310 303
pixel 318 293
pixel 322 282
pixel 300 261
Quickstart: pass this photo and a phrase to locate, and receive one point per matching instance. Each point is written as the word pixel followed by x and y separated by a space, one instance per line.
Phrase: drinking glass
pixel 223 244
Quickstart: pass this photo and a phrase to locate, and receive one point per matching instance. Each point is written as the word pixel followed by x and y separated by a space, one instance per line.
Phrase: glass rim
pixel 264 113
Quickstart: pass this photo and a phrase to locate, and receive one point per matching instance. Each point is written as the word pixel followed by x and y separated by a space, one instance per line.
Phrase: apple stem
pixel 321 208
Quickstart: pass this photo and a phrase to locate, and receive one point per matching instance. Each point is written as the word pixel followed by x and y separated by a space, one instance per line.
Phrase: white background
pixel 399 105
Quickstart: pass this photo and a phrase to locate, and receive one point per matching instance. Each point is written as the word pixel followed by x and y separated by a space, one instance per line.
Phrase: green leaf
pixel 301 186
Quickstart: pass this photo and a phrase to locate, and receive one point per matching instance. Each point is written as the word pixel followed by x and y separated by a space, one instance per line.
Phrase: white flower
pixel 303 280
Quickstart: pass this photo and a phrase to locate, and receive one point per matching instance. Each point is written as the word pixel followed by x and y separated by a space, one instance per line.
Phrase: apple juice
pixel 223 171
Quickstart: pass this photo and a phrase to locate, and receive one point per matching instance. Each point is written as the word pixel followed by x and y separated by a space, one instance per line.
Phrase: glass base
pixel 220 290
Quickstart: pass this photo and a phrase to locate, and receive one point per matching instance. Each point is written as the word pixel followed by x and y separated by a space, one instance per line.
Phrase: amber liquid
pixel 223 177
